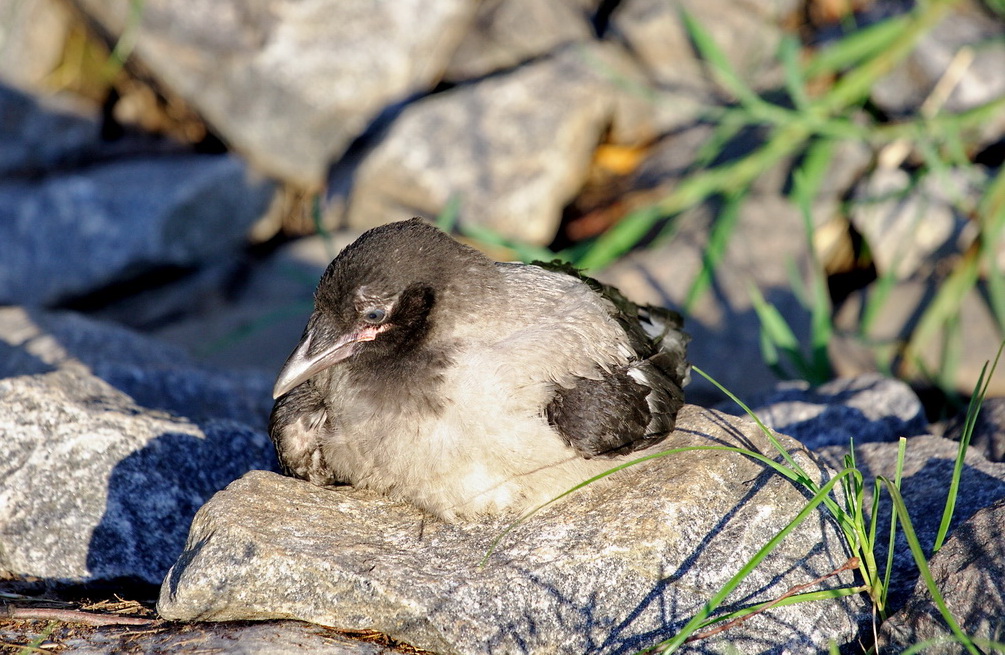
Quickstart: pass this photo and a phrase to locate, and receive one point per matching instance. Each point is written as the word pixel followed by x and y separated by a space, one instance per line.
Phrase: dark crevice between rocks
pixel 110 294
pixel 992 156
pixel 602 18
pixel 843 283
pixel 77 593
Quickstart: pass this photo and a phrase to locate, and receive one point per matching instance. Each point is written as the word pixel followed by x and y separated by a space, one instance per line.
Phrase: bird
pixel 468 387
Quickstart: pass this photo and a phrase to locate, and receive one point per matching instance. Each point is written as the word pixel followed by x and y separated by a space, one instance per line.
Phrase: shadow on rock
pixel 154 493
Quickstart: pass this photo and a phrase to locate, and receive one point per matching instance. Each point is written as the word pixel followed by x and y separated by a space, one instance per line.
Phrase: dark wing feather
pixel 635 406
pixel 629 409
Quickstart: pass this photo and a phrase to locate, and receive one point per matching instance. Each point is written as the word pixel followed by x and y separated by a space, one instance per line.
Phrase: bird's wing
pixel 296 425
pixel 629 408
pixel 618 369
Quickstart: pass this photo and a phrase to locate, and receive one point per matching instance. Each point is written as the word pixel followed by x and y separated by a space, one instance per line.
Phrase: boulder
pixel 79 212
pixel 969 571
pixel 291 84
pixel 613 568
pixel 513 149
pixel 864 409
pixel 109 443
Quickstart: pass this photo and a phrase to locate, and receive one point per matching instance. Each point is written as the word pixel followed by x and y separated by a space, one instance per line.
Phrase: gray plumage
pixel 434 375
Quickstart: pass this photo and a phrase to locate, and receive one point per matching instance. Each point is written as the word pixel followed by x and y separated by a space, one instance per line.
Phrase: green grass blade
pixel 448 217
pixel 126 42
pixel 856 47
pixel 724 72
pixel 944 307
pixel 715 251
pixel 855 87
pixel 695 189
pixel 892 538
pixel 717 599
pixel 973 411
pixel 922 562
pixel 803 478
pixel 525 252
pixel 795 81
pixel 726 129
pixel 807 181
pixel 622 236
pixel 992 213
pixel 777 336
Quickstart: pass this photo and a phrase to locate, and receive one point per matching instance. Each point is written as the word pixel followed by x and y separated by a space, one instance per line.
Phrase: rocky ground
pixel 162 228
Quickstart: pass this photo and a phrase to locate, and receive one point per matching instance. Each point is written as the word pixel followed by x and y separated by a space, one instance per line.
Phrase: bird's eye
pixel 374 315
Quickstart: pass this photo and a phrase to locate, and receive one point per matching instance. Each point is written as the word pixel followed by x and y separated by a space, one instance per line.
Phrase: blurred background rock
pixel 187 170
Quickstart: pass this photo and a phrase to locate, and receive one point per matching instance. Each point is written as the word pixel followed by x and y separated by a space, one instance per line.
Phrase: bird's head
pixel 380 297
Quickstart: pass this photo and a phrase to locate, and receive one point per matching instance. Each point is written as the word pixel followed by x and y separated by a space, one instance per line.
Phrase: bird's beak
pixel 308 359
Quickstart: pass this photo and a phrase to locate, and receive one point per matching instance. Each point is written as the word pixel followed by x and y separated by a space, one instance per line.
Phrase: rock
pixel 96 488
pixel 968 26
pixel 109 442
pixel 507 33
pixel 47 134
pixel 747 33
pixel 866 408
pixel 155 375
pixel 257 326
pixel 32 40
pixel 913 226
pixel 724 327
pixel 988 437
pixel 291 84
pixel 238 313
pixel 968 571
pixel 613 568
pixel 956 357
pixel 928 469
pixel 514 149
pixel 113 221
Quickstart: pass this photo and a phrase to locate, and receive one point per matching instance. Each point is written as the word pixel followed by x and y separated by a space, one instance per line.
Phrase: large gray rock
pixel 44 135
pixel 109 443
pixel 613 568
pixel 155 375
pixel 291 84
pixel 864 409
pixel 506 33
pixel 969 571
pixel 69 234
pixel 95 487
pixel 748 33
pixel 514 149
pixel 78 213
pixel 928 468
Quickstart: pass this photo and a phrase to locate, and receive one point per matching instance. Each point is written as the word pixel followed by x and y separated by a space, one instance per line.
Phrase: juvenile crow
pixel 435 375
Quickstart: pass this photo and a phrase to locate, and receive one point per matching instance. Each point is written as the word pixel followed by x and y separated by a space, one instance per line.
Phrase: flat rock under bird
pixel 435 375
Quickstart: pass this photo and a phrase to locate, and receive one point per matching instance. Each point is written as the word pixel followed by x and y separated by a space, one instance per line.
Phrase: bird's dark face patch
pixel 381 300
